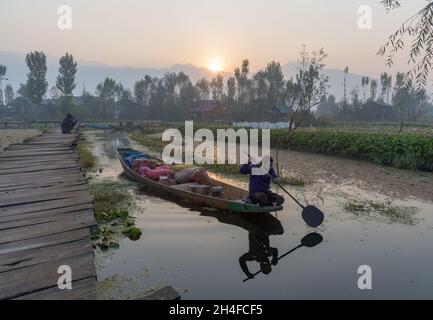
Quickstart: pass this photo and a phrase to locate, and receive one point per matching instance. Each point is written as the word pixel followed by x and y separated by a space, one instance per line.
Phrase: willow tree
pixel 418 30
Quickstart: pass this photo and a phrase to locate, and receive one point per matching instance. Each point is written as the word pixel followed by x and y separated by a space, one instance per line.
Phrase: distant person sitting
pixel 259 186
pixel 68 123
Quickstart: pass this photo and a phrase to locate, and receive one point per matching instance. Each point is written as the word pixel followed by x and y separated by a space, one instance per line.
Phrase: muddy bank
pixel 11 136
pixel 324 170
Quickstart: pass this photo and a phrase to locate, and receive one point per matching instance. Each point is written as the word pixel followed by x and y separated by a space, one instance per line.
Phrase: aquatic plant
pixel 386 211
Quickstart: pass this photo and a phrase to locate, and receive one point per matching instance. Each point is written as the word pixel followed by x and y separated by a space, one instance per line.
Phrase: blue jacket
pixel 258 183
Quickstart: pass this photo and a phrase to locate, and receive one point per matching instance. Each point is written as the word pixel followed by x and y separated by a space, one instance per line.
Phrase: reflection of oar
pixel 309 241
pixel 312 215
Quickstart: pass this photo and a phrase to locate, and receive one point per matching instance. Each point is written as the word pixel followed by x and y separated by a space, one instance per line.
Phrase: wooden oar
pixel 312 215
pixel 309 241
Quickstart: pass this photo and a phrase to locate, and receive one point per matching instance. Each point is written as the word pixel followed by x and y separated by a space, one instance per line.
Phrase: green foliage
pixel 132 233
pixel 66 78
pixel 87 159
pixel 37 84
pixel 406 151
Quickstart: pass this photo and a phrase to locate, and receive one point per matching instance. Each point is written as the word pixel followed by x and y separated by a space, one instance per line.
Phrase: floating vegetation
pixel 124 288
pixel 111 203
pixel 383 210
pixel 133 233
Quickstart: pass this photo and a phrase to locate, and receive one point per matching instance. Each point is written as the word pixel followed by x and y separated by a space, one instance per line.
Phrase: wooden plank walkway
pixel 46 214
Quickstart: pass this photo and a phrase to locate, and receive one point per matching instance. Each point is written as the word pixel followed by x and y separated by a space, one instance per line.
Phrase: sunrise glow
pixel 215 65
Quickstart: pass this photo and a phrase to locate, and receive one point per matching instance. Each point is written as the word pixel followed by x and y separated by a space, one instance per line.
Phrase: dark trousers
pixel 266 198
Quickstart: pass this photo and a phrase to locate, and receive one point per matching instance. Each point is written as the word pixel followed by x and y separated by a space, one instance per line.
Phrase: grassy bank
pixel 87 159
pixel 406 151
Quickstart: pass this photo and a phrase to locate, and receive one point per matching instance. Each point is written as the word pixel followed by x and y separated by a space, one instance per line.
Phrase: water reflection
pixel 264 251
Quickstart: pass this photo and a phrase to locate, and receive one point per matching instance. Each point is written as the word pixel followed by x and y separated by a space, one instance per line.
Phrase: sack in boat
pixel 184 176
pixel 152 164
pixel 156 174
pixel 198 175
pixel 167 181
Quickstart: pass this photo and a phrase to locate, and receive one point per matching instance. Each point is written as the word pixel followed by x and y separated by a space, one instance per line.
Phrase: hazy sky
pixel 160 33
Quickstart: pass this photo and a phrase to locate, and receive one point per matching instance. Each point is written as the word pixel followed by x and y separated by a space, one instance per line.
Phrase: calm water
pixel 197 252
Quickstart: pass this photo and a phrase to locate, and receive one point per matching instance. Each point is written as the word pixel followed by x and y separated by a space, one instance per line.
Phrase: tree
pixel 231 88
pixel 66 78
pixel 36 83
pixel 373 89
pixel 3 70
pixel 107 90
pixel 275 82
pixel 22 91
pixel 364 83
pixel 142 91
pixel 407 101
pixel 55 93
pixel 346 71
pixel 309 87
pixel 9 94
pixel 386 85
pixel 419 29
pixel 243 83
pixel 203 89
pixel 217 87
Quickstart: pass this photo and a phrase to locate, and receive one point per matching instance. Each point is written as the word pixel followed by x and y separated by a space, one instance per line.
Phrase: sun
pixel 215 65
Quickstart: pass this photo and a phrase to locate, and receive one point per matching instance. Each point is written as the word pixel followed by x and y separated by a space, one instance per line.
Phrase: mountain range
pixel 91 73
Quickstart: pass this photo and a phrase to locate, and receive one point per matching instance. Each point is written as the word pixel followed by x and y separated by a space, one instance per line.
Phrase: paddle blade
pixel 313 216
pixel 311 240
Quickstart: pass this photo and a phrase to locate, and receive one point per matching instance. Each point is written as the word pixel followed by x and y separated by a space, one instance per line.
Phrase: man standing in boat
pixel 260 185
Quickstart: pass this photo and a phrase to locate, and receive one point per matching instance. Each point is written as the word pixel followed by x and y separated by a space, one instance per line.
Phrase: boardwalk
pixel 46 214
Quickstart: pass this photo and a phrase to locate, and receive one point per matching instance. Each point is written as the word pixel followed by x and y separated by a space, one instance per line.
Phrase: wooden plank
pixel 45 184
pixel 166 293
pixel 44 276
pixel 35 192
pixel 81 290
pixel 44 229
pixel 30 160
pixel 39 214
pixel 21 154
pixel 42 219
pixel 45 241
pixel 39 168
pixel 14 165
pixel 42 198
pixel 13 177
pixel 17 260
pixel 46 205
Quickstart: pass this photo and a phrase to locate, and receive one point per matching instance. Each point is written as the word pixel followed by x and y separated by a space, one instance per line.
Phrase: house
pixel 208 110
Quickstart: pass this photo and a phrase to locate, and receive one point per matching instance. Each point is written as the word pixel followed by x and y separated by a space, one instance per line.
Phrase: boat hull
pixel 231 203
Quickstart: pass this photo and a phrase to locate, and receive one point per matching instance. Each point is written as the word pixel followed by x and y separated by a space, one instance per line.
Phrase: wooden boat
pixel 230 201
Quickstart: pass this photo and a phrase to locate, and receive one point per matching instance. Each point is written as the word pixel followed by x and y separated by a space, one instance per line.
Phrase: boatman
pixel 260 185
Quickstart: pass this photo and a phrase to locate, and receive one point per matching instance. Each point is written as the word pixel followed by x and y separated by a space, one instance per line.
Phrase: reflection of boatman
pixel 260 251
